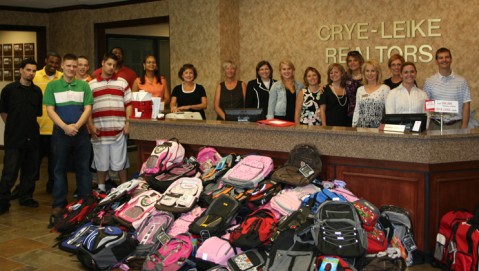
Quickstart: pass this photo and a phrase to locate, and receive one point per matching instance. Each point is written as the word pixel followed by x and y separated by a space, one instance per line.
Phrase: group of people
pixel 354 95
pixel 64 115
pixel 83 113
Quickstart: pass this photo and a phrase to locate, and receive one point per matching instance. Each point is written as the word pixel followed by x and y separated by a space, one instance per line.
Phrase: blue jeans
pixel 62 147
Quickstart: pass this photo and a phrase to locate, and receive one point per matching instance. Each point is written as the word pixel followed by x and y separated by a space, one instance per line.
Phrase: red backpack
pixel 441 253
pixel 465 245
pixel 255 231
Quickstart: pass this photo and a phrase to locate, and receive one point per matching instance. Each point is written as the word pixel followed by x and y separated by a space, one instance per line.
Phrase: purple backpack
pixel 172 256
pixel 150 229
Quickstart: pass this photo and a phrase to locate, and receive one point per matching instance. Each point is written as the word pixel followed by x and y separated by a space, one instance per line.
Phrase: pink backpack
pixel 289 200
pixel 164 156
pixel 181 196
pixel 171 256
pixel 181 224
pixel 138 207
pixel 207 157
pixel 215 250
pixel 249 171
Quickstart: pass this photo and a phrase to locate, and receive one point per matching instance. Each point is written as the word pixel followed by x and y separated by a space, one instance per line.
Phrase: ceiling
pixel 54 4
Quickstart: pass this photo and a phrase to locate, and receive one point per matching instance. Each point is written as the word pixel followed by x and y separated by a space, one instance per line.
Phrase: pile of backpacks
pixel 228 212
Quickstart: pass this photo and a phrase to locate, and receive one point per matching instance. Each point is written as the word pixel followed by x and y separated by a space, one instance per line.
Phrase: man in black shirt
pixel 20 104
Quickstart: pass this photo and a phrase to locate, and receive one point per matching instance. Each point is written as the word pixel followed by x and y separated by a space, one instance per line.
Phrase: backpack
pixel 119 191
pixel 331 262
pixel 181 196
pixel 105 247
pixel 150 229
pixel 73 214
pixel 337 230
pixel 162 181
pixel 251 170
pixel 255 230
pixel 315 200
pixel 289 200
pixel 263 193
pixel 444 235
pixel 368 213
pixel 377 241
pixel 302 167
pixel 215 173
pixel 164 156
pixel 250 260
pixel 137 208
pixel 207 158
pixel 217 218
pixel 465 245
pixel 182 223
pixel 290 252
pixel 214 251
pixel 172 256
pixel 401 221
pixel 73 242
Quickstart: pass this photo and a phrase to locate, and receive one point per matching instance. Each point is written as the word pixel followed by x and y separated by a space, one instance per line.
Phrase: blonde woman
pixel 371 97
pixel 307 101
pixel 334 100
pixel 229 93
pixel 282 96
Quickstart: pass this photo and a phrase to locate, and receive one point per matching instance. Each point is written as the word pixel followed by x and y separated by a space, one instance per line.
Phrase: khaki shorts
pixel 111 156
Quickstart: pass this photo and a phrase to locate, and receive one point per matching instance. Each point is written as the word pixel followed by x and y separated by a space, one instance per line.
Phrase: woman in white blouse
pixel 371 97
pixel 407 98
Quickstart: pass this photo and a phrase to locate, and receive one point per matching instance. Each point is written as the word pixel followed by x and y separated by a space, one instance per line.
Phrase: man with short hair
pixel 109 122
pixel 448 86
pixel 69 102
pixel 20 104
pixel 121 70
pixel 83 68
pixel 44 76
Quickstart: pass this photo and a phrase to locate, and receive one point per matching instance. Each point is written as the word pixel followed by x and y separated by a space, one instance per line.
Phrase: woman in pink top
pixel 151 81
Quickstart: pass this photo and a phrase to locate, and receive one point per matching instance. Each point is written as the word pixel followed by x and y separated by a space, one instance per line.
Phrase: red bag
pixel 444 235
pixel 377 241
pixel 255 231
pixel 368 213
pixel 465 246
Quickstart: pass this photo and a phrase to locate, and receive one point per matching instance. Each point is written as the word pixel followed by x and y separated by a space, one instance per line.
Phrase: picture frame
pixel 18 49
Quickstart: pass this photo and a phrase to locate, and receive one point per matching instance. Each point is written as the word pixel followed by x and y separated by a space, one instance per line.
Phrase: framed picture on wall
pixel 17 61
pixel 1 62
pixel 18 49
pixel 1 74
pixel 29 49
pixel 16 74
pixel 1 50
pixel 29 56
pixel 8 75
pixel 7 62
pixel 7 49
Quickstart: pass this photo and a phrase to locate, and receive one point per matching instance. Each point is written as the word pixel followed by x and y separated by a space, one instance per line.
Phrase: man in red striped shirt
pixel 109 122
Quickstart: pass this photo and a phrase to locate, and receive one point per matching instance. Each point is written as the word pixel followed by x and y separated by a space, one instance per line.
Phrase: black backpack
pixel 337 230
pixel 217 218
pixel 303 166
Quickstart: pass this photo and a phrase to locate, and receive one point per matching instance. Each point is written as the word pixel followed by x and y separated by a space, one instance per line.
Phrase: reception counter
pixel 428 173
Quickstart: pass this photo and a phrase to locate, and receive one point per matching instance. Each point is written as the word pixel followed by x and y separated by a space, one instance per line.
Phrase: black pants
pixel 45 150
pixel 17 160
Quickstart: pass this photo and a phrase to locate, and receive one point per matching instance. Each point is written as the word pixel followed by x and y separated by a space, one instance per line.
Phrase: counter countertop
pixel 428 147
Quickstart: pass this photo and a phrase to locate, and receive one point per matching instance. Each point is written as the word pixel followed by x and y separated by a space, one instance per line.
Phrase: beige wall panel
pixel 284 29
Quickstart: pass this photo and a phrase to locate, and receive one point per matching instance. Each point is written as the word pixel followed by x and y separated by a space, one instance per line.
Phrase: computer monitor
pixel 244 114
pixel 406 119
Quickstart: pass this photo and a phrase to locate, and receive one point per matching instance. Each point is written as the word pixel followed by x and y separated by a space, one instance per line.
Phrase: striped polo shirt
pixel 448 88
pixel 111 97
pixel 69 99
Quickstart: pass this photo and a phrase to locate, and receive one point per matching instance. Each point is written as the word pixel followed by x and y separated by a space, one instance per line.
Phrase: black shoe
pixel 4 209
pixel 29 203
pixel 49 187
pixel 109 184
pixel 15 193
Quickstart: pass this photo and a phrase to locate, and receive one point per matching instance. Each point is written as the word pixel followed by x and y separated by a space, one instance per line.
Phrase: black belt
pixel 448 122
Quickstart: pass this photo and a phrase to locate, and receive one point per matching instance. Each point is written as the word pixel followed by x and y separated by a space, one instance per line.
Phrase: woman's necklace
pixel 337 97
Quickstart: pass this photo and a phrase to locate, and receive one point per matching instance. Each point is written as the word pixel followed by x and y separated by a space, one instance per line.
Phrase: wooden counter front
pixel 428 174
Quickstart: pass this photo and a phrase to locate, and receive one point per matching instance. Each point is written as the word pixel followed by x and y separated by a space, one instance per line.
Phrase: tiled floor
pixel 26 243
